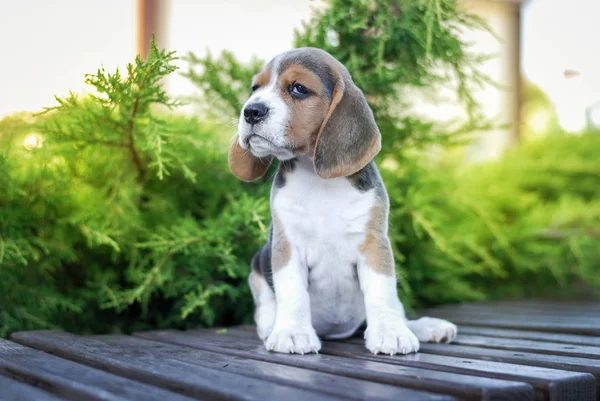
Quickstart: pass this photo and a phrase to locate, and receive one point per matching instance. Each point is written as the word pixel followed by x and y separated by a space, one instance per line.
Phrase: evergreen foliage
pixel 124 218
pixel 118 215
pixel 524 226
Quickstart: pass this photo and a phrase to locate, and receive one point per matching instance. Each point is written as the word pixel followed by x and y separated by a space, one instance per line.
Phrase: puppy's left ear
pixel 244 165
pixel 349 137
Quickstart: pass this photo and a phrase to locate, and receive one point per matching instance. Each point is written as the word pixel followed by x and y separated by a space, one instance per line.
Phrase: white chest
pixel 322 214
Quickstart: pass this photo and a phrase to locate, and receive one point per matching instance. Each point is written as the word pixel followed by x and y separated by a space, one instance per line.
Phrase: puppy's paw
pixel 294 341
pixel 433 330
pixel 390 339
pixel 264 318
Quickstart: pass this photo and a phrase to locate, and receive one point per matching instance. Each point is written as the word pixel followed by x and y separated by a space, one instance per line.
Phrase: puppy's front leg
pixel 293 331
pixel 387 331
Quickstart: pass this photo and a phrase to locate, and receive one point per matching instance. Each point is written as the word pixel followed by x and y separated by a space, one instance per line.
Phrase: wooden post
pixel 518 79
pixel 151 20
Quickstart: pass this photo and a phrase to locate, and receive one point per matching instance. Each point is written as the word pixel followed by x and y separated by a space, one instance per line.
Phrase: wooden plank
pixel 73 380
pixel 162 365
pixel 543 347
pixel 348 388
pixel 461 386
pixel 569 310
pixel 517 315
pixel 510 323
pixel 521 358
pixel 570 307
pixel 13 390
pixel 550 384
pixel 570 318
pixel 544 304
pixel 531 335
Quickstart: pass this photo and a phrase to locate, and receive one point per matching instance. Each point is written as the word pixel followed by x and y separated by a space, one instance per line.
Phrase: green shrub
pixel 523 226
pixel 123 218
pixel 545 197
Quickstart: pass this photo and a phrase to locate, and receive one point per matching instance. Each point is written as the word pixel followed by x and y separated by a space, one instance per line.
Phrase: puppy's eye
pixel 254 88
pixel 299 91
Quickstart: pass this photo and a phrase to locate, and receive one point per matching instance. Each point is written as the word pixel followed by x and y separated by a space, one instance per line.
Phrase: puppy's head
pixel 304 102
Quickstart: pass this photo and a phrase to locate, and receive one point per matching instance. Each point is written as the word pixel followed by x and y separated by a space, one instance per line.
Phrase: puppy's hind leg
pixel 264 299
pixel 433 330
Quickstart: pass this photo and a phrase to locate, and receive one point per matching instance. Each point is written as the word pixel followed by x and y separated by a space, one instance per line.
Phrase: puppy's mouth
pixel 270 143
pixel 257 136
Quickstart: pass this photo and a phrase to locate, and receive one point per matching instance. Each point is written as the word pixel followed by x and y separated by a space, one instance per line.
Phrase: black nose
pixel 255 112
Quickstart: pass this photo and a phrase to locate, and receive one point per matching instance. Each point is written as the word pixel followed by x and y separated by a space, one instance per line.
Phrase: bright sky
pixel 560 35
pixel 48 46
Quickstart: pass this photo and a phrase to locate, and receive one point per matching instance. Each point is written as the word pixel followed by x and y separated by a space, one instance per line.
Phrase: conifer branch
pixel 131 144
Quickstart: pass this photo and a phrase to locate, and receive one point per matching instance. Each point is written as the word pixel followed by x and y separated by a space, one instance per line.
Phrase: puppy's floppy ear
pixel 349 137
pixel 244 165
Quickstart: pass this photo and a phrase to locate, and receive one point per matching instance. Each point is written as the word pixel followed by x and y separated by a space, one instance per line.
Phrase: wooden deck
pixel 504 351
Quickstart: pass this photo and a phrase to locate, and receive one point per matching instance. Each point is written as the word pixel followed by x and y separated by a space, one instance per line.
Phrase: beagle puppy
pixel 328 265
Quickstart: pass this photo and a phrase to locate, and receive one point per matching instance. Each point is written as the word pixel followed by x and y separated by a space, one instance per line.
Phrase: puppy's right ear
pixel 244 165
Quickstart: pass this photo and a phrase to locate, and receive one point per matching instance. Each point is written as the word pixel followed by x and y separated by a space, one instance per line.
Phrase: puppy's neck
pixel 305 164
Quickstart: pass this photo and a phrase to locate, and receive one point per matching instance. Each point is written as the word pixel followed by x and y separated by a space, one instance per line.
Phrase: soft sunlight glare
pixel 389 163
pixel 33 140
pixel 538 122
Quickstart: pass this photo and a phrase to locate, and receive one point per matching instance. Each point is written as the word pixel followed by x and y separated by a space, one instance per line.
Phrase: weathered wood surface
pixel 73 380
pixel 459 385
pixel 13 390
pixel 569 318
pixel 545 381
pixel 531 335
pixel 504 351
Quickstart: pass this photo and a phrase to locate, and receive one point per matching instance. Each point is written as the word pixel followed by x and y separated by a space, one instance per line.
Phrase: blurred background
pixel 117 209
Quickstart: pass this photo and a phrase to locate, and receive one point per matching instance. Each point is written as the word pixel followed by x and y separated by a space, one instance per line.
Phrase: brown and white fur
pixel 328 265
